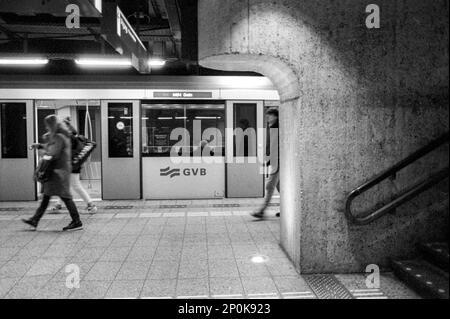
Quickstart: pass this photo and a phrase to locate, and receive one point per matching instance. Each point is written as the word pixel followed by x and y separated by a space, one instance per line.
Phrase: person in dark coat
pixel 273 182
pixel 58 149
pixel 75 180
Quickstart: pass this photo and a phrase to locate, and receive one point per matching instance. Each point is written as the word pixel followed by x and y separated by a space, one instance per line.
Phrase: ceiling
pixel 167 28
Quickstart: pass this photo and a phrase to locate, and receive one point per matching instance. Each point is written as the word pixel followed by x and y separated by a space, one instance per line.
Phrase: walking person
pixel 57 150
pixel 273 181
pixel 75 178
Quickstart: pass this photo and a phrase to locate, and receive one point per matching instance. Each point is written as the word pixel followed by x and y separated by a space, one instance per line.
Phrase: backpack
pixel 82 148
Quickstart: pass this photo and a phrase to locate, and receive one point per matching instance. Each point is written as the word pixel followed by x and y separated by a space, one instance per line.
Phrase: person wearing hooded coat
pixel 57 149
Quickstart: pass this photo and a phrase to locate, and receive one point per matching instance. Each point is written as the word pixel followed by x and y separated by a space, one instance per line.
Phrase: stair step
pixel 428 280
pixel 437 254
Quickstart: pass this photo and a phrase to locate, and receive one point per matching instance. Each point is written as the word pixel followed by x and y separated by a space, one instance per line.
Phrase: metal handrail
pixel 404 196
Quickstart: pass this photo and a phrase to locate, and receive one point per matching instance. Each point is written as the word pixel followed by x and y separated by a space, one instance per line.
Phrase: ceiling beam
pixel 173 15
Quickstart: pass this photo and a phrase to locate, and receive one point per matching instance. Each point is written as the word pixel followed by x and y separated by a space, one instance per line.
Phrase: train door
pixel 16 159
pixel 245 139
pixel 121 150
pixel 183 150
pixel 85 118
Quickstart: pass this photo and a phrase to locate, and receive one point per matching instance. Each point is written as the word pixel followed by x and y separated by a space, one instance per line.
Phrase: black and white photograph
pixel 225 158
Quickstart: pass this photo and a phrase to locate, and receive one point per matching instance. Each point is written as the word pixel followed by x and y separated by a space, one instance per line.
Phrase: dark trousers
pixel 273 182
pixel 73 211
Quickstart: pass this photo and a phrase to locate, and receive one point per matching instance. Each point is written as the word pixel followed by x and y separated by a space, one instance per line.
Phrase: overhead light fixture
pixel 23 62
pixel 208 117
pixel 103 63
pixel 156 62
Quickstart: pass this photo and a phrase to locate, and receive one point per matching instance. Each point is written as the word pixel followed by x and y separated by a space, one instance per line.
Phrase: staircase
pixel 428 275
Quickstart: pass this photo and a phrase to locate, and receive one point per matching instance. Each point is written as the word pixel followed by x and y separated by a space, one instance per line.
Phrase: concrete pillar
pixel 354 102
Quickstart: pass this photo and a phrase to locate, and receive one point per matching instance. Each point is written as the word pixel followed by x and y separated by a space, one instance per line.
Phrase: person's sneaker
pixel 91 209
pixel 56 209
pixel 73 226
pixel 31 222
pixel 259 215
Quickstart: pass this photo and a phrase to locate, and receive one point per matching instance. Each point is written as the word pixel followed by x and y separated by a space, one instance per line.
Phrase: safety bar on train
pixel 405 196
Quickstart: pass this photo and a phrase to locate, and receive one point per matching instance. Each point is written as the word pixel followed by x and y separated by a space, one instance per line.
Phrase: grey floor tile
pixel 159 288
pixel 91 290
pixel 125 289
pixel 247 268
pixel 291 284
pixel 245 251
pixel 147 240
pixel 220 252
pixel 28 287
pixel 103 271
pixel 115 253
pixel 53 290
pixel 142 253
pixel 163 269
pixel 88 255
pixel 6 253
pixel 124 241
pixel 189 288
pixel 133 270
pixel 6 284
pixel 218 239
pixel 223 268
pixel 226 287
pixel 259 286
pixel 31 251
pixel 168 253
pixel 281 267
pixel 16 268
pixel 47 266
pixel 194 252
pixel 193 269
pixel 99 241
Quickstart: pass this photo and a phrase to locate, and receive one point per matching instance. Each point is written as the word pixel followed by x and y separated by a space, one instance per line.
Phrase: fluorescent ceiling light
pixel 10 61
pixel 102 63
pixel 156 62
pixel 208 117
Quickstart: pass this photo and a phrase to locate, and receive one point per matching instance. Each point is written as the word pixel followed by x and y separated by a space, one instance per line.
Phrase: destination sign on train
pixel 183 95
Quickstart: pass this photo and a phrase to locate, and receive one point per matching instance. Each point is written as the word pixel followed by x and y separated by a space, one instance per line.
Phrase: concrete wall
pixel 354 101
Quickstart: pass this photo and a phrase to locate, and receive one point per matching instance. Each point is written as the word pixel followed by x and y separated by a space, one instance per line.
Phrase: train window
pixel 200 130
pixel 244 119
pixel 120 130
pixel 14 130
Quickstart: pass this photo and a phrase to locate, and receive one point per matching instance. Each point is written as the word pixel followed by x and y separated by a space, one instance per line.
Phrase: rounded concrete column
pixel 288 86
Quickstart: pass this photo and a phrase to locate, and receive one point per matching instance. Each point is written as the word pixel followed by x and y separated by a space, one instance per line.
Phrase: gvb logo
pixel 373 277
pixel 187 172
pixel 170 172
pixel 73 277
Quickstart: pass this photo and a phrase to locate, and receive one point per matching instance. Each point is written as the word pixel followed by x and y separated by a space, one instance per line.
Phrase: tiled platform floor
pixel 142 249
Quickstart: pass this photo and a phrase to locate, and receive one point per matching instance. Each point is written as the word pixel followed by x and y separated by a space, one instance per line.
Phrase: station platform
pixel 165 249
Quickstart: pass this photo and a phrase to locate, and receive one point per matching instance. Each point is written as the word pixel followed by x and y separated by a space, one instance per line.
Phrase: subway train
pixel 132 120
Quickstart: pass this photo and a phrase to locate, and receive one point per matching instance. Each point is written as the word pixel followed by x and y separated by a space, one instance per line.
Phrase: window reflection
pixel 200 129
pixel 13 130
pixel 245 143
pixel 120 127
